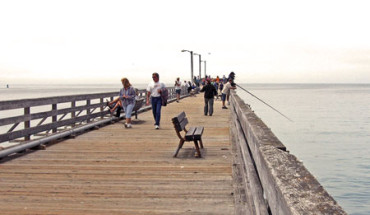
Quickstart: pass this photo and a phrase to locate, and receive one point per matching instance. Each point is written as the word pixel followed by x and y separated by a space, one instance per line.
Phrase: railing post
pixel 54 118
pixel 88 110
pixel 102 107
pixel 73 113
pixel 27 123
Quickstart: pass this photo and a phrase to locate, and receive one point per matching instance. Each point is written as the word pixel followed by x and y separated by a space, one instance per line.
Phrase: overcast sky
pixel 87 41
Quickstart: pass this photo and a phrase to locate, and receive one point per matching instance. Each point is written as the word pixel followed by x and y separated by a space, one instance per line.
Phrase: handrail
pixel 25 120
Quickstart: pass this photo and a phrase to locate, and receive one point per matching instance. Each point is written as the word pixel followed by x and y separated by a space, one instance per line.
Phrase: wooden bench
pixel 193 134
pixel 138 104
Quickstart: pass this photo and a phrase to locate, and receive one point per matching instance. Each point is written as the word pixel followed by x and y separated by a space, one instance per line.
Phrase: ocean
pixel 330 132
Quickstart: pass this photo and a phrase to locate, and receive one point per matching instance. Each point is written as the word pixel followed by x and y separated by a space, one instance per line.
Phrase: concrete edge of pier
pixel 288 187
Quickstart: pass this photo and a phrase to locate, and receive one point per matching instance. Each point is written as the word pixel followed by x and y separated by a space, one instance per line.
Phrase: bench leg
pixel 179 147
pixel 197 148
pixel 201 143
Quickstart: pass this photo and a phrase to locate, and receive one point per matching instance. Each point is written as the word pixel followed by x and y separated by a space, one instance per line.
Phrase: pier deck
pixel 113 170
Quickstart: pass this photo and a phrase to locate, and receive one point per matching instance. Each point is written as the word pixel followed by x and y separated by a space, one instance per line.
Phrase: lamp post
pixel 191 63
pixel 200 65
pixel 205 68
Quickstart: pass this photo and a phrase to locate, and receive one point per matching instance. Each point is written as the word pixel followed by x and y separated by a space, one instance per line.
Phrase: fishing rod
pixel 264 102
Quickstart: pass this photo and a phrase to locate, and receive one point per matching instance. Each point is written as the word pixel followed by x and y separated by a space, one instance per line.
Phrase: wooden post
pixel 73 113
pixel 102 107
pixel 27 124
pixel 88 109
pixel 54 118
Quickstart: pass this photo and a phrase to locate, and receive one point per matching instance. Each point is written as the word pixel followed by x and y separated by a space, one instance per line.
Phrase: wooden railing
pixel 279 182
pixel 26 120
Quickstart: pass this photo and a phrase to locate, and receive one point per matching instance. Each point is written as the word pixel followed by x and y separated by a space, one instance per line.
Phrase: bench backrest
pixel 138 104
pixel 180 121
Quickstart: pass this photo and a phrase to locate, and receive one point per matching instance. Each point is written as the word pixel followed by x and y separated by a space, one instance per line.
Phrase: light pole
pixel 205 68
pixel 200 65
pixel 191 63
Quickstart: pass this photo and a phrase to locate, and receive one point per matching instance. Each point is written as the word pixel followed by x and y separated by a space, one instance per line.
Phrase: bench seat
pixel 194 133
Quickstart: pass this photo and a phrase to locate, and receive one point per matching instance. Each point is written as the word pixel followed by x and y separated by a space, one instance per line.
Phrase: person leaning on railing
pixel 226 92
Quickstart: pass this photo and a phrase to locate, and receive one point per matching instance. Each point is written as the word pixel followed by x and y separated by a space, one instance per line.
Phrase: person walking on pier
pixel 154 90
pixel 226 92
pixel 209 94
pixel 128 103
pixel 125 100
pixel 178 89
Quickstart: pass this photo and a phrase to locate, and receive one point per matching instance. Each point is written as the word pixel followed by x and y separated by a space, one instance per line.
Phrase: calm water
pixel 330 132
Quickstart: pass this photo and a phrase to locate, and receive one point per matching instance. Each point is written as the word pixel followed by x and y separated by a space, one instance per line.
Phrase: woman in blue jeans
pixel 125 100
pixel 127 95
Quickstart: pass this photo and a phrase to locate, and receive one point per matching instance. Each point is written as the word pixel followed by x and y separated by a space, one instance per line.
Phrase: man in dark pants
pixel 209 94
pixel 154 90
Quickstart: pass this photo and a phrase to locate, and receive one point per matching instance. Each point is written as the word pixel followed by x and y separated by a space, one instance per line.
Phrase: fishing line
pixel 264 102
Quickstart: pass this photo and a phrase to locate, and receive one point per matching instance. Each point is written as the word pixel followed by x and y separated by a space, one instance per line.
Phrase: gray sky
pixel 87 41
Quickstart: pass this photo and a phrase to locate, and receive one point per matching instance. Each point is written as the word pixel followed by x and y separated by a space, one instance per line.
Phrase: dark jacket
pixel 209 91
pixel 164 96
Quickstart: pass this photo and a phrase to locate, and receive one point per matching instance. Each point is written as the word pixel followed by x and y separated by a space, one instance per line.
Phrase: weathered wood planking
pixel 115 170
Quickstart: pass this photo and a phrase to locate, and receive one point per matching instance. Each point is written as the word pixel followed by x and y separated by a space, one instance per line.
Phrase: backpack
pixel 164 96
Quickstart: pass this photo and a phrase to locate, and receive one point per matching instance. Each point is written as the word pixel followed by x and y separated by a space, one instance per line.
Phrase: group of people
pixel 126 98
pixel 210 91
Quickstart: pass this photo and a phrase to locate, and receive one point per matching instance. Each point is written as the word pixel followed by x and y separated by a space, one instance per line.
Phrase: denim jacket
pixel 130 92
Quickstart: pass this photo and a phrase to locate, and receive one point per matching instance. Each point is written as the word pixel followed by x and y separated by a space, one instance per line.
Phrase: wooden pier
pixel 93 167
pixel 113 170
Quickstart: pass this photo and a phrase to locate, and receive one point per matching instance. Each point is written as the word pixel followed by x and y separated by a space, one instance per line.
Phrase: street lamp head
pixel 184 50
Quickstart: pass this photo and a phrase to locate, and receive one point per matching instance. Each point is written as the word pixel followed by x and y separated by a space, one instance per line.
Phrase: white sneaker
pixel 156 126
pixel 128 125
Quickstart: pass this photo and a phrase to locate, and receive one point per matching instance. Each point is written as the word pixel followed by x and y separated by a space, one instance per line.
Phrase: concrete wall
pixel 287 185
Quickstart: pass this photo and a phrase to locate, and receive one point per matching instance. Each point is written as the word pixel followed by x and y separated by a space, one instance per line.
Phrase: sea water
pixel 330 132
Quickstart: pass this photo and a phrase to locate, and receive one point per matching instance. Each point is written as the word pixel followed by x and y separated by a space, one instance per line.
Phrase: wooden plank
pixel 190 134
pixel 46 127
pixel 181 116
pixel 183 123
pixel 252 182
pixel 21 103
pixel 15 119
pixel 176 124
pixel 198 132
pixel 115 170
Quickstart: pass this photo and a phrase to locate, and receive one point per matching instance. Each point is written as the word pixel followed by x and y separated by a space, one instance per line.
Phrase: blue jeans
pixel 156 108
pixel 208 106
pixel 128 110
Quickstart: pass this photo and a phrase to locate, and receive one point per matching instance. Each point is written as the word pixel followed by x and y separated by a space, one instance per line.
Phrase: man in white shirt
pixel 154 90
pixel 226 92
pixel 178 89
